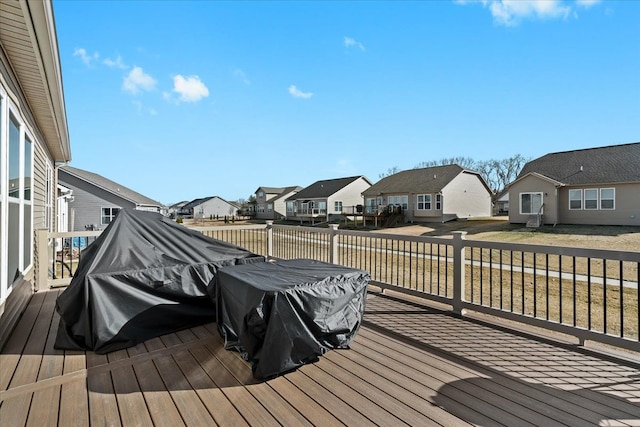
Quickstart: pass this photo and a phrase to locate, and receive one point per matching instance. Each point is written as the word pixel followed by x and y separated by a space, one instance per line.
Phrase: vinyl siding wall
pixel 466 197
pixel 88 201
pixel 626 211
pixel 533 184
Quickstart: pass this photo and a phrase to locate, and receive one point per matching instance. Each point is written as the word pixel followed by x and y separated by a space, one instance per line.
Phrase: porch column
pixel 269 239
pixel 458 272
pixel 333 239
pixel 42 258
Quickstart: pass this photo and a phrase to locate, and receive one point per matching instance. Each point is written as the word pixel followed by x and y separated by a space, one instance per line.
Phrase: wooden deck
pixel 409 365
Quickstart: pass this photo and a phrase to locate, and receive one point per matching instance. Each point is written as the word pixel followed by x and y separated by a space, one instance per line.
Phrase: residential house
pixel 208 207
pixel 34 139
pixel 270 202
pixel 174 209
pixel 434 194
pixel 589 186
pixel 97 200
pixel 327 200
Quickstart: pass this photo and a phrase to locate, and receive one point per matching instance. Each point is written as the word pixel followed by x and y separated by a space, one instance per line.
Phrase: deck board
pixel 409 365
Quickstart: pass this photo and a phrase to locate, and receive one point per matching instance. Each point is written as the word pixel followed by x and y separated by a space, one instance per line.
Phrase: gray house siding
pixel 533 184
pixel 88 201
pixel 626 209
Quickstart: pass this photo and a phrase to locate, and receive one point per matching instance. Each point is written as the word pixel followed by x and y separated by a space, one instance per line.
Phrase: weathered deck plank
pixel 409 365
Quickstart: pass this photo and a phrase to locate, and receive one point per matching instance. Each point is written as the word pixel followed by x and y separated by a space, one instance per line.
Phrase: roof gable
pixel 108 185
pixel 423 180
pixel 326 188
pixel 602 165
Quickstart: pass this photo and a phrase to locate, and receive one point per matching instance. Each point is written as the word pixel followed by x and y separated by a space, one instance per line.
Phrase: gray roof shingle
pixel 324 189
pixel 602 165
pixel 424 180
pixel 110 186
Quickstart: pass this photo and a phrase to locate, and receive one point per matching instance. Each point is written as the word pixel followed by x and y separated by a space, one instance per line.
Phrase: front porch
pixel 411 364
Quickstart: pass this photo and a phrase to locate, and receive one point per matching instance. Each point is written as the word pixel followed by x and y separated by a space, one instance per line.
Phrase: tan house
pixel 271 201
pixel 328 199
pixel 590 186
pixel 434 194
pixel 34 140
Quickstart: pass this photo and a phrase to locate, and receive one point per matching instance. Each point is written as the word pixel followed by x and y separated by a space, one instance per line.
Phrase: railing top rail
pixel 228 227
pixel 556 250
pixel 66 234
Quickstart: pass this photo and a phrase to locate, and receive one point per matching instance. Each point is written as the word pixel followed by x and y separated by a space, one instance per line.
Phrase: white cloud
pixel 297 93
pixel 190 89
pixel 349 42
pixel 511 12
pixel 239 74
pixel 115 63
pixel 85 57
pixel 137 80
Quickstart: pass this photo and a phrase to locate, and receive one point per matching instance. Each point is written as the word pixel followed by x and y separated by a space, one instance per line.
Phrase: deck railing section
pixel 586 293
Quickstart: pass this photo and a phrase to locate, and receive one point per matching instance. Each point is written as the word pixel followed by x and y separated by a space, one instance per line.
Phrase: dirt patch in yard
pixel 625 238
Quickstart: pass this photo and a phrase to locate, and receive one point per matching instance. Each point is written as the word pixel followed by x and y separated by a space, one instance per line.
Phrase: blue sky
pixel 186 99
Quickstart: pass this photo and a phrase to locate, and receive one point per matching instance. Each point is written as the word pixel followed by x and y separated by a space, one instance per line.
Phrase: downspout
pixel 557 205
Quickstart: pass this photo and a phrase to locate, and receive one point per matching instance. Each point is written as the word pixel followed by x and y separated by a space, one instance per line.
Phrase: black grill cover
pixel 285 314
pixel 143 277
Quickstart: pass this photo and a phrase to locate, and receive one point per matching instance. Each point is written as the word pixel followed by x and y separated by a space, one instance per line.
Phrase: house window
pixel 270 207
pixel 260 194
pixel 424 202
pixel 291 207
pixel 322 207
pixel 607 198
pixel 591 198
pixel 108 215
pixel 575 199
pixel 438 202
pixel 530 203
pixel 402 201
pixel 337 206
pixel 260 208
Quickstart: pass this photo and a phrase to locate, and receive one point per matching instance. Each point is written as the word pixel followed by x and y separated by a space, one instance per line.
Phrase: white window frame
pixel 531 193
pixel 400 200
pixel 10 113
pixel 603 199
pixel 423 202
pixel 337 206
pixel 111 215
pixel 597 199
pixel 438 202
pixel 269 207
pixel 574 191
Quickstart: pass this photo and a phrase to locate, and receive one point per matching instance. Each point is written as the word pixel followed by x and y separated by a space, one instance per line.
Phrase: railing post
pixel 42 258
pixel 458 272
pixel 269 238
pixel 333 239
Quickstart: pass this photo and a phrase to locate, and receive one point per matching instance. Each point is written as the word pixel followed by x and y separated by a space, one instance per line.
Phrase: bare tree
pixel 391 171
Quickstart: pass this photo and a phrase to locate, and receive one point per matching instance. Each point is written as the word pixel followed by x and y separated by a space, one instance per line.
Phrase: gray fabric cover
pixel 143 277
pixel 284 314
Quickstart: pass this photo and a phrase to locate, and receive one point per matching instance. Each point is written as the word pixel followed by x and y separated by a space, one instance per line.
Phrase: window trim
pixel 426 201
pixel 597 199
pixel 531 193
pixel 612 199
pixel 337 206
pixel 438 204
pixel 112 215
pixel 579 190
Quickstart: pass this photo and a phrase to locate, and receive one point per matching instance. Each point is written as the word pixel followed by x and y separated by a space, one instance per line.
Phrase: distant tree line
pixel 496 172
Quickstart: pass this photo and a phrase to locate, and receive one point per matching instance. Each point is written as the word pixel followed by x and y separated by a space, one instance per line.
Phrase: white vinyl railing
pixel 589 294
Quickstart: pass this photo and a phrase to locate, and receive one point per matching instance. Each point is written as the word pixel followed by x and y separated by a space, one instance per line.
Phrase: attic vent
pixel 581 168
pixel 435 176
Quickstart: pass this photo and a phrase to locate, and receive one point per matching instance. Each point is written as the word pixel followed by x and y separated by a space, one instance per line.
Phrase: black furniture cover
pixel 285 314
pixel 143 277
